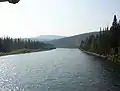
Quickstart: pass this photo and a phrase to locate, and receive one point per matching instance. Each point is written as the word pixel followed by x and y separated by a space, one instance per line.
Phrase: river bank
pixel 94 54
pixel 23 51
pixel 108 57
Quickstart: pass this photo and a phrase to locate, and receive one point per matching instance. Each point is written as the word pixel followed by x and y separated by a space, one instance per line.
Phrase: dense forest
pixel 8 44
pixel 106 43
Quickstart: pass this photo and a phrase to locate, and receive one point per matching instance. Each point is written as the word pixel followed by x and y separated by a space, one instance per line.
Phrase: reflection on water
pixel 58 70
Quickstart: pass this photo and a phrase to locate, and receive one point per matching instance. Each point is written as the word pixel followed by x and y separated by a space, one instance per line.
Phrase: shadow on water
pixel 109 70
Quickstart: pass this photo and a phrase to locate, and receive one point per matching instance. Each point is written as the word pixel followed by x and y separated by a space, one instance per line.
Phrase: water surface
pixel 57 70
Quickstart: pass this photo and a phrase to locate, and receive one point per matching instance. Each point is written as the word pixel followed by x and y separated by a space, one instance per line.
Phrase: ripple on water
pixel 57 70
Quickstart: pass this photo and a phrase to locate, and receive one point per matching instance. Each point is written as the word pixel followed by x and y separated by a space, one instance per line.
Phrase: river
pixel 57 70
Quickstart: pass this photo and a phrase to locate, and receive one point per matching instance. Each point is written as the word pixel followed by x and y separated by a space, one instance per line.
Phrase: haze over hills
pixel 62 41
pixel 71 42
pixel 45 38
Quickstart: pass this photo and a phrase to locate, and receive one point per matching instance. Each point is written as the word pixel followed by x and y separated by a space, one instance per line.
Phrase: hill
pixel 71 42
pixel 44 38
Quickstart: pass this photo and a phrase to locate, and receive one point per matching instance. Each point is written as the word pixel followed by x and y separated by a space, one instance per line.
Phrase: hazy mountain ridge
pixel 71 42
pixel 47 37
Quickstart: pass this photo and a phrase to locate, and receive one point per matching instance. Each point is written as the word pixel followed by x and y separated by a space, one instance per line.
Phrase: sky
pixel 31 18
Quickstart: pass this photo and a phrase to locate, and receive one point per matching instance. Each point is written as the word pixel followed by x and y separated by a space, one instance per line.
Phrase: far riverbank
pixel 23 51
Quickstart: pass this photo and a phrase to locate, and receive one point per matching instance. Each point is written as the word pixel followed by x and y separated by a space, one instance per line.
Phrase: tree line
pixel 8 44
pixel 106 42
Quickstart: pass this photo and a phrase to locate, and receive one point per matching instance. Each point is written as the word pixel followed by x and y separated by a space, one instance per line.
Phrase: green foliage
pixel 10 45
pixel 107 42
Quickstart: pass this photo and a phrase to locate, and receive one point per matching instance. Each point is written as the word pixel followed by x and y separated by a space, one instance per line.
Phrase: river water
pixel 58 70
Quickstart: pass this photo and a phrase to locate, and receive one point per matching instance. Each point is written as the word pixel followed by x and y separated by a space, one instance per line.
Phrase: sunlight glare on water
pixel 57 70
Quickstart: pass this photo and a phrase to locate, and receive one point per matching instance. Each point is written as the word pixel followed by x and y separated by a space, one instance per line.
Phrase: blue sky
pixel 31 18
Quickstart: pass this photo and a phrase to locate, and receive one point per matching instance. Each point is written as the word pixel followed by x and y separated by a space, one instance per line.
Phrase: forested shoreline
pixel 17 45
pixel 106 43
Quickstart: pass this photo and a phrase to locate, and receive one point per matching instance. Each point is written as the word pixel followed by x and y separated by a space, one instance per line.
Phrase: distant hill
pixel 71 42
pixel 45 38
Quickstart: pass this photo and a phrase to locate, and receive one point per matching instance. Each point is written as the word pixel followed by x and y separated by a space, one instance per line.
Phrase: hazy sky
pixel 56 17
